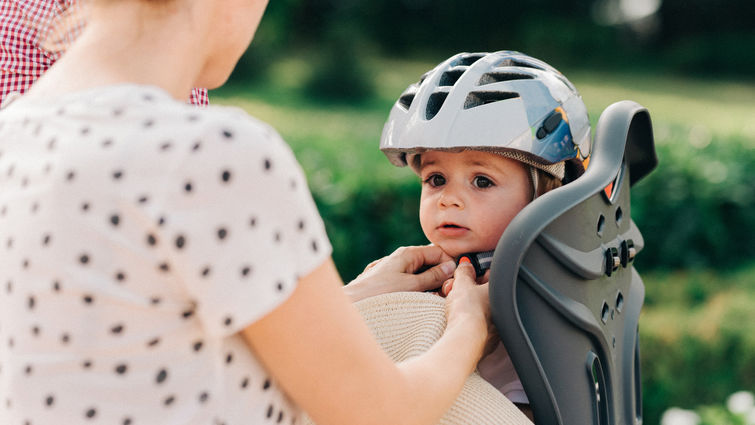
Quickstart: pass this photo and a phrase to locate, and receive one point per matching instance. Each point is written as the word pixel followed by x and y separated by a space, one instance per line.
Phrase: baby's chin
pixel 455 251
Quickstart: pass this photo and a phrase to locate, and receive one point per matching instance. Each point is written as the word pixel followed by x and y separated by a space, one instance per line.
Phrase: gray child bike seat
pixel 564 293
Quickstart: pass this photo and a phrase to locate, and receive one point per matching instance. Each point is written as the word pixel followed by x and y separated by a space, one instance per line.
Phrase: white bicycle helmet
pixel 504 102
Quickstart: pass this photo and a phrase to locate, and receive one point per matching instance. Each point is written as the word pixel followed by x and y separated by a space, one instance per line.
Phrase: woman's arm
pixel 320 351
pixel 396 272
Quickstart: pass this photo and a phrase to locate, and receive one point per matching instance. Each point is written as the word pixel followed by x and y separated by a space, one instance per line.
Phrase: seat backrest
pixel 565 296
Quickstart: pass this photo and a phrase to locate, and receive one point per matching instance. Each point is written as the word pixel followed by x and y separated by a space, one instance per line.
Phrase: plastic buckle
pixel 481 261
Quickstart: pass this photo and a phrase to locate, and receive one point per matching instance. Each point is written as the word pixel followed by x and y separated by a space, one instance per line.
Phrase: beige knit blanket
pixel 406 324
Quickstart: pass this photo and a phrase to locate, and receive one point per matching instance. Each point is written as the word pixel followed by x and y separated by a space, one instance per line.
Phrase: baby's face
pixel 469 197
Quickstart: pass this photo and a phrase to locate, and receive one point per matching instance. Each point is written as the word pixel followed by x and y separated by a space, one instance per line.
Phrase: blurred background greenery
pixel 326 72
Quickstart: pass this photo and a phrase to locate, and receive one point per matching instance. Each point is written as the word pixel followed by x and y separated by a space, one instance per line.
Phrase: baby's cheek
pixel 493 233
pixel 424 222
pixel 489 241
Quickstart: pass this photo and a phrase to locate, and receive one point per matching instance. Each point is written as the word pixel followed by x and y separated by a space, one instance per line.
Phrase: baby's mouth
pixel 451 226
pixel 452 229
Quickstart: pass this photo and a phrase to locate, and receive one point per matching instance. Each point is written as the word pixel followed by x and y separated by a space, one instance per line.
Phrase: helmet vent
pixel 475 99
pixel 497 77
pixel 434 103
pixel 424 76
pixel 407 97
pixel 450 77
pixel 519 63
pixel 467 60
pixel 406 100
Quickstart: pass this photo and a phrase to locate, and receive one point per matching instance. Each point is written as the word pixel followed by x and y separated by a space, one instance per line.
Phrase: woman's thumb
pixel 465 272
pixel 435 276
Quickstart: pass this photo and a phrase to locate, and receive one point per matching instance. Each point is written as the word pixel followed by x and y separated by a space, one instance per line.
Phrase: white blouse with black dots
pixel 138 235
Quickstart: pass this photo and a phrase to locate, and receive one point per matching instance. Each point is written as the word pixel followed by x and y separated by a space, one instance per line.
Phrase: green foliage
pixel 370 223
pixel 722 51
pixel 717 415
pixel 338 71
pixel 699 204
pixel 698 36
pixel 699 348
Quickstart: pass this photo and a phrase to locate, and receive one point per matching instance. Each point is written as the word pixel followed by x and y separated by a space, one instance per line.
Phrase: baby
pixel 487 133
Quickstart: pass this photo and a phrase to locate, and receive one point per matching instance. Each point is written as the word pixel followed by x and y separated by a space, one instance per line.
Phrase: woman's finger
pixel 414 258
pixel 465 273
pixel 445 289
pixel 484 278
pixel 373 264
pixel 433 277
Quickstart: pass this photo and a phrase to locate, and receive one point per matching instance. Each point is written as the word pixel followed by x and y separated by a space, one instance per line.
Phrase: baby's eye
pixel 435 180
pixel 482 182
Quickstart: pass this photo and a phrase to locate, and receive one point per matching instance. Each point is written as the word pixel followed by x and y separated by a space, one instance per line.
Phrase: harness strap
pixel 480 260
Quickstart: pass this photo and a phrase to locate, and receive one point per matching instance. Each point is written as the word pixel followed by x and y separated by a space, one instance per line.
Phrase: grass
pixel 724 108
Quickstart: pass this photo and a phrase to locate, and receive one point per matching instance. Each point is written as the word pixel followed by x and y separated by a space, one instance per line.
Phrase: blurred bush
pixel 707 37
pixel 339 72
pixel 699 204
pixel 698 207
pixel 697 344
pixel 738 410
pixel 269 44
pixel 688 36
pixel 370 223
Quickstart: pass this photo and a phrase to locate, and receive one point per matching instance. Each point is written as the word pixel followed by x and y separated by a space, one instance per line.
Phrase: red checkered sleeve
pixel 22 61
pixel 199 97
pixel 22 58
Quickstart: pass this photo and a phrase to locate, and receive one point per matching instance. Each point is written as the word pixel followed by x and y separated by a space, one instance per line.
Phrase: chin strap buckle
pixel 480 260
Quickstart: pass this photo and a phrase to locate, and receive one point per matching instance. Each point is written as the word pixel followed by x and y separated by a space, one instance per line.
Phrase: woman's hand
pixel 323 355
pixel 399 272
pixel 468 303
pixel 448 285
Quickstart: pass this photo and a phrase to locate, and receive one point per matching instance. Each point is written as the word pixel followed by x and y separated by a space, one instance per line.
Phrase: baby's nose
pixel 450 198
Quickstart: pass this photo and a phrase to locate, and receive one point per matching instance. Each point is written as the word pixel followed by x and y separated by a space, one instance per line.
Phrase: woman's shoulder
pixel 152 101
pixel 145 112
pixel 222 124
pixel 149 113
pixel 137 121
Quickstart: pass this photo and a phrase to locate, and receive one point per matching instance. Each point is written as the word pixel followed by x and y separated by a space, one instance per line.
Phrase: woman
pixel 167 265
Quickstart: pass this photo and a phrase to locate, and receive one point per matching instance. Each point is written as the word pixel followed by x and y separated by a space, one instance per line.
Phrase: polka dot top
pixel 138 236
